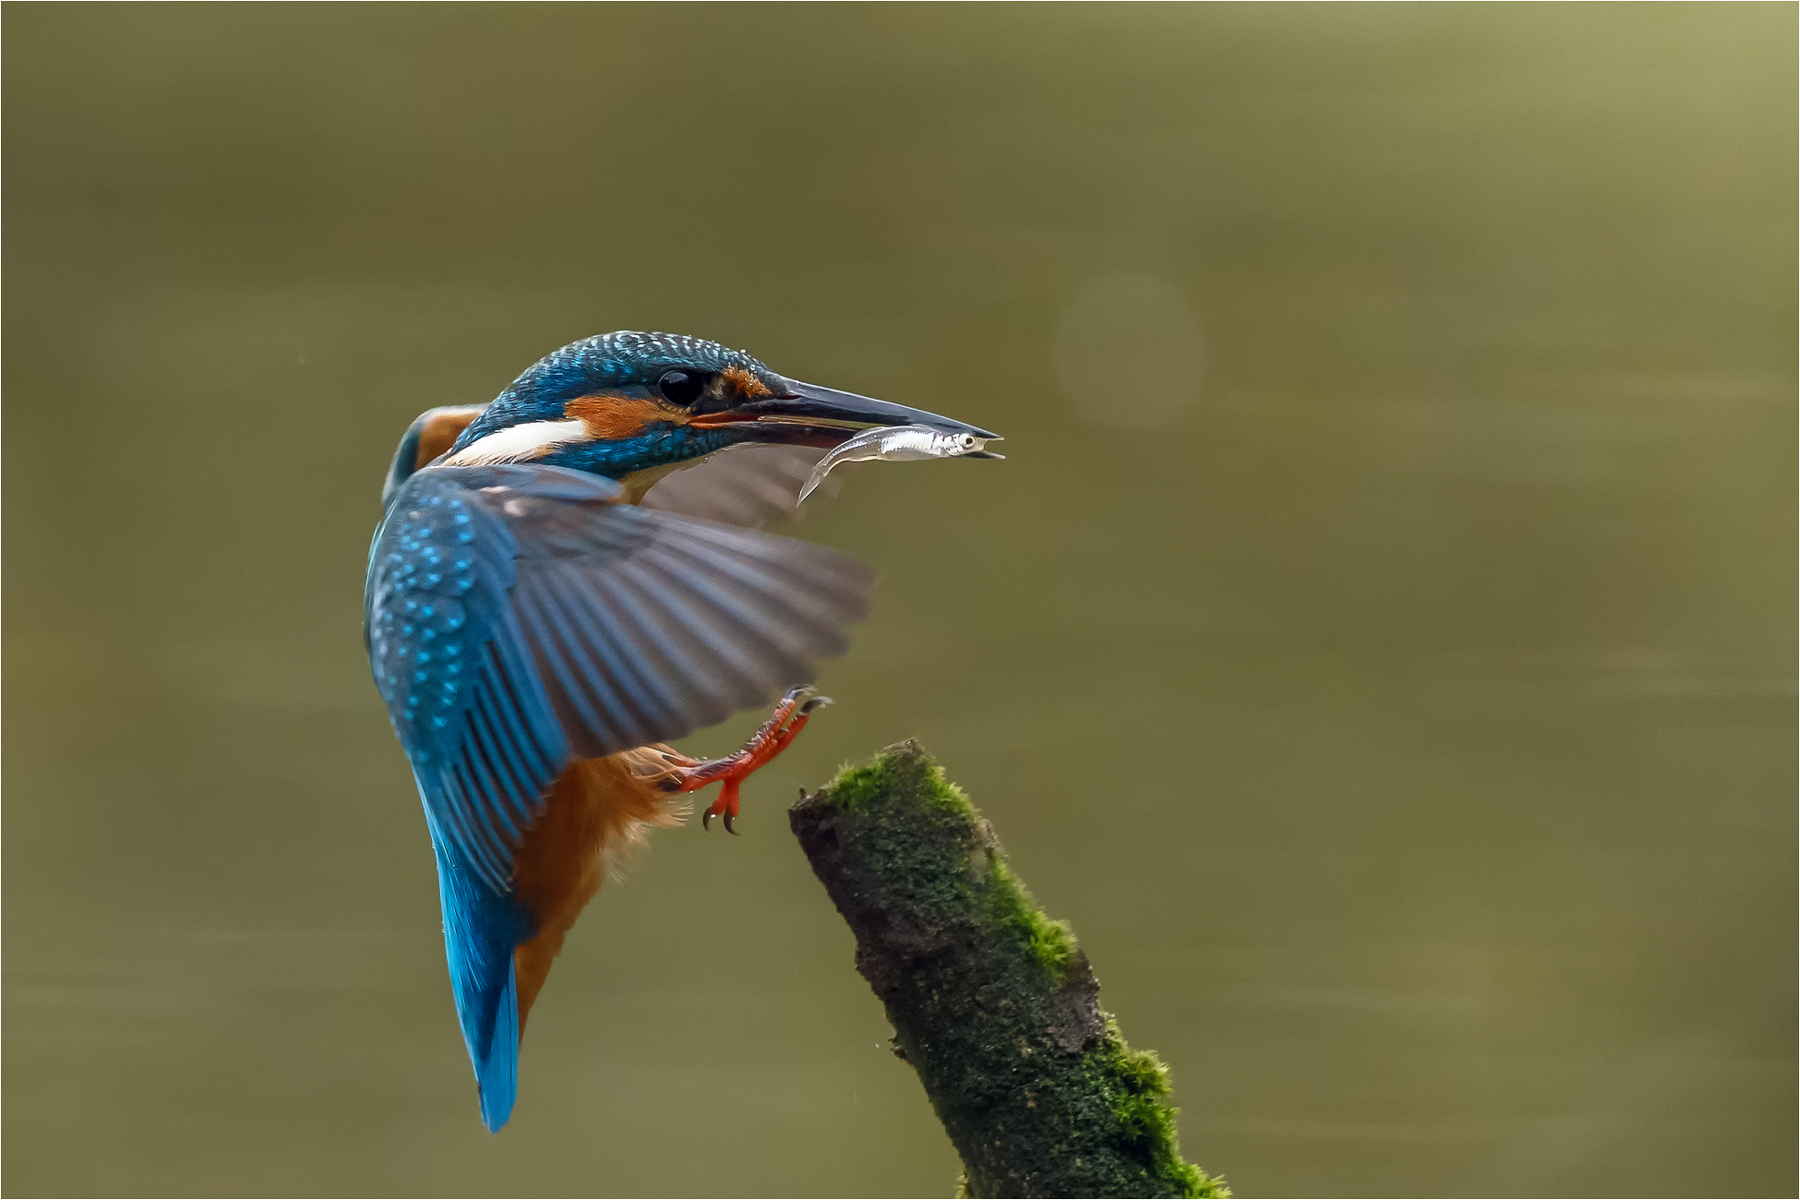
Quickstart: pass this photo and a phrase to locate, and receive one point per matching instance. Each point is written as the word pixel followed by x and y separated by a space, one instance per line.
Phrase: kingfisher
pixel 564 580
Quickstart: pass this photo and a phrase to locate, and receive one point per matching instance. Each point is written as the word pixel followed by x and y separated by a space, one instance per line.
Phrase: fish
pixel 899 443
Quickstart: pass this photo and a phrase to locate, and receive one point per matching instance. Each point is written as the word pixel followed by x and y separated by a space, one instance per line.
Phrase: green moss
pixel 987 994
pixel 857 786
pixel 899 776
pixel 894 775
pixel 1051 944
pixel 1137 1082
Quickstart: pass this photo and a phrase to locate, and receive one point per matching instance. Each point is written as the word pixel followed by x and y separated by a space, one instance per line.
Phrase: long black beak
pixel 822 408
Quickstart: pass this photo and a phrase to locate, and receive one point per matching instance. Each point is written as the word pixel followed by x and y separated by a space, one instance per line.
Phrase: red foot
pixel 784 724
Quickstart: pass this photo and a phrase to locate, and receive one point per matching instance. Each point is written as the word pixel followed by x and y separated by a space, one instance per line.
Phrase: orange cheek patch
pixel 744 382
pixel 614 418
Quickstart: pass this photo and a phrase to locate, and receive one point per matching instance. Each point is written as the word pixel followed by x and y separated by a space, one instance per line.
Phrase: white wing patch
pixel 518 443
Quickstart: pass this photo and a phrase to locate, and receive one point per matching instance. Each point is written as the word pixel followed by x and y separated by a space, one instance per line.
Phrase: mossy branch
pixel 992 1002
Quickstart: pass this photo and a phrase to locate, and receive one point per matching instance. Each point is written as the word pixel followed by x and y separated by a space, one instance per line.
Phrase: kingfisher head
pixel 631 406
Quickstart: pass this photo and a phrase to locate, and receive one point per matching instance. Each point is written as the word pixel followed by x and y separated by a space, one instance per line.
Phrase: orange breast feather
pixel 597 810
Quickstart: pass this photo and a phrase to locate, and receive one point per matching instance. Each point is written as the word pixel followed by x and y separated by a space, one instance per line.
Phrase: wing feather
pixel 759 583
pixel 578 686
pixel 746 485
pixel 744 672
pixel 611 706
pixel 663 618
pixel 631 638
pixel 497 774
pixel 519 617
pixel 514 745
pixel 655 702
pixel 738 630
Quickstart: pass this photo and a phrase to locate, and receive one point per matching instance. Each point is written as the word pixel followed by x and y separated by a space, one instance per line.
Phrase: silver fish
pixel 899 443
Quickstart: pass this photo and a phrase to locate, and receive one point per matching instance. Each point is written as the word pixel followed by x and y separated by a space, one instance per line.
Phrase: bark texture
pixel 992 1003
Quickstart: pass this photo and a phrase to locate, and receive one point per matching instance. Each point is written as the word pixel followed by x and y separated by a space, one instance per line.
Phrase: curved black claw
pixel 728 828
pixel 706 820
pixel 814 703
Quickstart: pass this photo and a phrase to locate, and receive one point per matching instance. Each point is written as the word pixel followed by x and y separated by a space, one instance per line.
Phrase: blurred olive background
pixel 1379 642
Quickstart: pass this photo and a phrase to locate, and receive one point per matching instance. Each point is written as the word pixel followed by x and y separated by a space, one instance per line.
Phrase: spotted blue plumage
pixel 518 619
pixel 624 363
pixel 448 660
pixel 482 742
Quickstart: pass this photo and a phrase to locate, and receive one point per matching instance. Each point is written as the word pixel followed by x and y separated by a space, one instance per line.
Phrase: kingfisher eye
pixel 681 387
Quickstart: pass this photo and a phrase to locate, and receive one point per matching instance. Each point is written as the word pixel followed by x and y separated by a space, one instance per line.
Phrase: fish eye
pixel 681 387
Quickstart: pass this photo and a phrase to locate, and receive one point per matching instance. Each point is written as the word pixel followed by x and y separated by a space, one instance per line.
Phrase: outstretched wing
pixel 749 485
pixel 519 618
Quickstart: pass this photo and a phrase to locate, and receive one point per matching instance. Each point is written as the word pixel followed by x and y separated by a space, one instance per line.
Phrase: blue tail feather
pixel 480 931
pixel 498 1077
